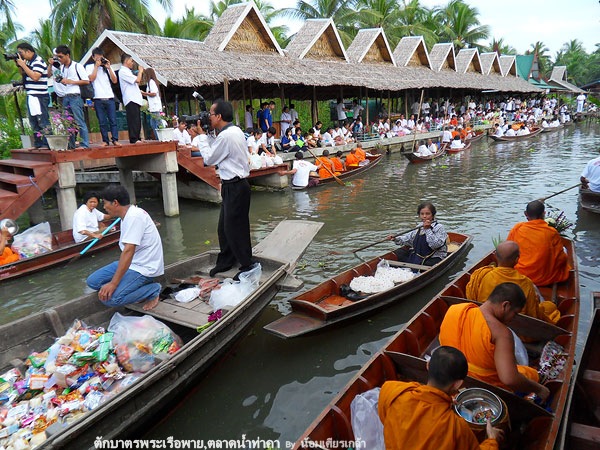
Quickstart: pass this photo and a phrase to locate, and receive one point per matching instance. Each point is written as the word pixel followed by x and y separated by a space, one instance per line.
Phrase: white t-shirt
pixel 423 151
pixel 154 103
pixel 447 136
pixel 183 137
pixel 356 110
pixel 340 111
pixel 102 84
pixel 268 141
pixel 327 139
pixel 253 144
pixel 138 228
pixel 303 169
pixel 592 173
pixel 129 87
pixel 248 120
pixel 74 72
pixel 510 132
pixel 84 219
pixel 456 144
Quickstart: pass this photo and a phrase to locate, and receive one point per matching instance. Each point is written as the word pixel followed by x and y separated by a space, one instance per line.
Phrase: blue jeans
pixel 38 123
pixel 106 112
pixel 74 103
pixel 134 287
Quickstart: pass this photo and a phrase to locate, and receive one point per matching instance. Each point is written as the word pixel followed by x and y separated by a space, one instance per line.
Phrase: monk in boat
pixel 482 334
pixel 326 170
pixel 485 279
pixel 360 153
pixel 543 258
pixel 416 416
pixel 7 255
pixel 338 164
pixel 352 160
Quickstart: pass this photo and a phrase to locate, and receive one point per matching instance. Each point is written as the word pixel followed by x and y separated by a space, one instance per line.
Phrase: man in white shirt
pixel 590 177
pixel 580 102
pixel 341 111
pixel 425 108
pixel 181 135
pixel 132 97
pixel 248 120
pixel 228 150
pixel 447 135
pixel 356 109
pixel 102 77
pixel 285 120
pixel 293 113
pixel 131 278
pixel 510 132
pixel 301 170
pixel 499 131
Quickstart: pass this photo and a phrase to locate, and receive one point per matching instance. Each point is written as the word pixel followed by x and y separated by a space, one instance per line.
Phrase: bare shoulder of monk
pixel 498 330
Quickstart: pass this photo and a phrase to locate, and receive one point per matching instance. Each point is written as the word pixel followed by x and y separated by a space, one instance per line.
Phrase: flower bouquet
pixel 62 122
pixel 558 220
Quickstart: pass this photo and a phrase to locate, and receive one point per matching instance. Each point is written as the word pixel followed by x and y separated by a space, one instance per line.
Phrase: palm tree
pixel 79 23
pixel 541 50
pixel 498 46
pixel 460 24
pixel 417 20
pixel 7 8
pixel 44 39
pixel 191 26
pixel 573 55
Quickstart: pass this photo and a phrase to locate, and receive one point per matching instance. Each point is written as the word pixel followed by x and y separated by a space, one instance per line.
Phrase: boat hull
pixel 589 200
pixel 458 150
pixel 516 138
pixel 415 159
pixel 374 160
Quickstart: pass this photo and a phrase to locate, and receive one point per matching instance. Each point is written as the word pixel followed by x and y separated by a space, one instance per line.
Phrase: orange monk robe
pixel 338 165
pixel 485 279
pixel 454 134
pixel 454 121
pixel 351 161
pixel 465 328
pixel 542 256
pixel 360 154
pixel 420 417
pixel 8 256
pixel 325 164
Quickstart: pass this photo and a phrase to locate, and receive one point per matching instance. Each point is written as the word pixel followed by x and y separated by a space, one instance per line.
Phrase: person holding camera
pixel 230 152
pixel 72 76
pixel 35 80
pixel 102 76
pixel 132 96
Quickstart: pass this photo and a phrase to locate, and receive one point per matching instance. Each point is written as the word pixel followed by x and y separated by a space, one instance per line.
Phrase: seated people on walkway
pixel 267 143
pixel 338 164
pixel 485 279
pixel 352 160
pixel 431 146
pixel 326 165
pixel 457 143
pixel 482 334
pixel 253 141
pixel 302 172
pixel 131 278
pixel 327 138
pixel 590 177
pixel 181 135
pixel 338 135
pixel 287 142
pixel 86 219
pixel 413 413
pixel 423 150
pixel 7 255
pixel 298 137
pixel 543 258
pixel 309 139
pixel 427 244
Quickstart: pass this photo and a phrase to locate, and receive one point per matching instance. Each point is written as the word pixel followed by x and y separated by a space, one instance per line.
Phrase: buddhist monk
pixel 485 279
pixel 326 170
pixel 416 416
pixel 338 164
pixel 352 160
pixel 360 153
pixel 543 258
pixel 482 334
pixel 7 256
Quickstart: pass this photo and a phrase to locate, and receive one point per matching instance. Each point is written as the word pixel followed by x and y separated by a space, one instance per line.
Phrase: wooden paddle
pixel 334 252
pixel 91 244
pixel 340 182
pixel 543 199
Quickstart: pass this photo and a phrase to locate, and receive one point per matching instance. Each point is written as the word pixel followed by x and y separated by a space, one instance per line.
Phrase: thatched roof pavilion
pixel 508 65
pixel 559 78
pixel 442 57
pixel 467 60
pixel 412 52
pixel 489 63
pixel 370 46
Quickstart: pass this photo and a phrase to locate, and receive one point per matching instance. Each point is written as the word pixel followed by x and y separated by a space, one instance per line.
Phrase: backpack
pixel 86 90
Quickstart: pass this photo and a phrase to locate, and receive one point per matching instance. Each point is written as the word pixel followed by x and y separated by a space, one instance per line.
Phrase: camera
pixel 103 60
pixel 203 117
pixel 58 77
pixel 11 56
pixel 16 83
pixel 55 62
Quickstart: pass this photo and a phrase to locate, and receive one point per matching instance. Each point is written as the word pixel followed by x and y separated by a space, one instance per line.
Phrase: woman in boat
pixel 86 220
pixel 427 244
pixel 7 255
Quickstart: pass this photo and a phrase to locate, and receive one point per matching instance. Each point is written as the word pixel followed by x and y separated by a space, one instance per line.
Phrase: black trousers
pixel 234 225
pixel 134 122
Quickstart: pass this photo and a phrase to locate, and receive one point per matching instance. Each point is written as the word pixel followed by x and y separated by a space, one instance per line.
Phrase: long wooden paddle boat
pixel 130 410
pixel 589 200
pixel 533 132
pixel 416 159
pixel 64 248
pixel 324 305
pixel 404 359
pixel 458 150
pixel 373 161
pixel 581 429
pixel 479 134
pixel 552 129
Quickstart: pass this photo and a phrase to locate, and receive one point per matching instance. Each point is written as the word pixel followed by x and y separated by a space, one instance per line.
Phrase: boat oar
pixel 91 244
pixel 543 199
pixel 364 247
pixel 340 182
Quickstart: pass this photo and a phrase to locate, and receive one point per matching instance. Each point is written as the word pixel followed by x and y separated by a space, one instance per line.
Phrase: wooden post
pixel 406 104
pixel 226 89
pixel 313 106
pixel 366 124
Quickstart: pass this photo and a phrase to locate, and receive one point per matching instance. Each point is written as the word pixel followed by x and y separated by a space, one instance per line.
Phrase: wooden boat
pixel 416 159
pixel 403 358
pixel 373 161
pixel 589 200
pixel 323 306
pixel 581 429
pixel 552 129
pixel 130 410
pixel 458 150
pixel 533 132
pixel 479 134
pixel 64 248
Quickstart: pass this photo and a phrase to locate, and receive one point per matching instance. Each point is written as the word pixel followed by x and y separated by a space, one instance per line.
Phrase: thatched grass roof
pixel 467 60
pixel 411 51
pixel 489 63
pixel 508 65
pixel 559 78
pixel 317 39
pixel 370 45
pixel 441 57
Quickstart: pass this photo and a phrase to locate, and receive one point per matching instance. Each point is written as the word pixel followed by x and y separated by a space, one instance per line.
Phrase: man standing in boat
pixel 131 278
pixel 230 152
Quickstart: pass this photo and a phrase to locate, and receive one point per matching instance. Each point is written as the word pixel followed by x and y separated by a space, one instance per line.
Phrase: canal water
pixel 270 388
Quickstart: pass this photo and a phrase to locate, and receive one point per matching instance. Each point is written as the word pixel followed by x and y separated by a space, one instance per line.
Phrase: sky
pixel 520 23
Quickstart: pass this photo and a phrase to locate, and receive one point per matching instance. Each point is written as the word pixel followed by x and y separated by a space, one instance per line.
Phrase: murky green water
pixel 270 388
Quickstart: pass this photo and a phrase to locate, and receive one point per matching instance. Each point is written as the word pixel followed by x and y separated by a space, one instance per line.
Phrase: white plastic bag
pixel 366 425
pixel 33 241
pixel 520 351
pixel 232 292
pixel 187 295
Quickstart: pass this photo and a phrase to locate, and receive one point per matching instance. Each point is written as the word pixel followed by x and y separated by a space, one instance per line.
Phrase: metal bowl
pixel 476 404
pixel 10 225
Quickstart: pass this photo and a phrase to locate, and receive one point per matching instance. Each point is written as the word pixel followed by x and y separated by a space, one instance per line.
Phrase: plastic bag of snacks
pixel 33 241
pixel 142 342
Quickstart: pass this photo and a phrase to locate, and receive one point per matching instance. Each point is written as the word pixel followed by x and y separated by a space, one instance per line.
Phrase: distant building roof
pixel 370 45
pixel 559 78
pixel 441 57
pixel 411 51
pixel 317 39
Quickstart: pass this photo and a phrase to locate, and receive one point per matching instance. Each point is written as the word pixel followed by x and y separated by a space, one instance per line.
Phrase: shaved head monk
pixel 482 334
pixel 420 417
pixel 543 258
pixel 485 279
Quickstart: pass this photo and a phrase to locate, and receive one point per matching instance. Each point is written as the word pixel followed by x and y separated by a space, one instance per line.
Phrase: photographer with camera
pixel 229 151
pixel 33 70
pixel 102 77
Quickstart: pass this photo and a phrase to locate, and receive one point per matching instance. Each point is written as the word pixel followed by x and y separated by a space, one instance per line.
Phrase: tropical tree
pixel 7 9
pixel 44 38
pixel 573 55
pixel 460 24
pixel 79 23
pixel 191 26
pixel 498 46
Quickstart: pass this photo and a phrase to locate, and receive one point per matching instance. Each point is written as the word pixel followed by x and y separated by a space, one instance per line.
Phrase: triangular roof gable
pixel 370 46
pixel 411 51
pixel 524 65
pixel 317 39
pixel 508 65
pixel 559 73
pixel 467 60
pixel 490 63
pixel 242 28
pixel 441 57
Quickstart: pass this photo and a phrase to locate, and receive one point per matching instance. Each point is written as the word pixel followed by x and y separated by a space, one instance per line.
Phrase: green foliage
pixel 9 139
